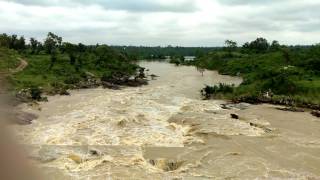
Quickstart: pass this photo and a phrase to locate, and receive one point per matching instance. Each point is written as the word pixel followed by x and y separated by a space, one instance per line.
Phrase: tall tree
pixel 286 55
pixel 34 45
pixel 21 43
pixel 200 66
pixel 259 45
pixel 230 45
pixel 51 44
pixel 275 46
pixel 4 40
pixel 71 50
pixel 13 41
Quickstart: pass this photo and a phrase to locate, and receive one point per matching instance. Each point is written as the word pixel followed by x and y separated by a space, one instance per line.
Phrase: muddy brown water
pixel 165 131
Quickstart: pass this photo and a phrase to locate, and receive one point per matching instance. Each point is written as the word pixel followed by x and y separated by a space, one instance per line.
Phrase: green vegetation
pixel 160 53
pixel 55 66
pixel 272 73
pixel 8 60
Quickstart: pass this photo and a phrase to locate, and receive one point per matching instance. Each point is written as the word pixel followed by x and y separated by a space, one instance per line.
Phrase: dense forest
pixel 158 53
pixel 272 73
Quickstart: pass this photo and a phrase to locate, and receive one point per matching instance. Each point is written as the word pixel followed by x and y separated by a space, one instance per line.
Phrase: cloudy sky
pixel 164 22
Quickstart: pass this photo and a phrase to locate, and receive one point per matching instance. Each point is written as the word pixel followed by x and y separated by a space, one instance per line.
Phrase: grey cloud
pixel 279 17
pixel 126 5
pixel 289 21
pixel 249 2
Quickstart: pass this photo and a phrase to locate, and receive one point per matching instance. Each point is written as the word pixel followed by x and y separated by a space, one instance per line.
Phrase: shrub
pixel 107 76
pixel 72 80
pixel 210 91
pixel 36 93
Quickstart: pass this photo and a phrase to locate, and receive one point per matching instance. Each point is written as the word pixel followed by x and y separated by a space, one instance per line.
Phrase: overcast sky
pixel 164 22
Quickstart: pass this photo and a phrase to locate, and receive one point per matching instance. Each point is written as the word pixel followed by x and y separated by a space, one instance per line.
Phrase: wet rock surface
pixel 316 113
pixel 24 118
pixel 165 164
pixel 292 109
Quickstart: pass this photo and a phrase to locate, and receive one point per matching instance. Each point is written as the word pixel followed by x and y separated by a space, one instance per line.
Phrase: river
pixel 165 131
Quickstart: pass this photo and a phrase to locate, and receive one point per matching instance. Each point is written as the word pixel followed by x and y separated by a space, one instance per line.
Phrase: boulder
pixel 23 118
pixel 234 116
pixel 77 159
pixel 110 85
pixel 316 113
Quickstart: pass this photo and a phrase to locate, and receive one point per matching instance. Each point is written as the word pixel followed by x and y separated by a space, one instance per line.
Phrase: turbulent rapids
pixel 165 131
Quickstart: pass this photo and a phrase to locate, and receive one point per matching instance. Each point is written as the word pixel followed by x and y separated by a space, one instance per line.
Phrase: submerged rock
pixel 77 159
pixel 166 165
pixel 234 116
pixel 23 118
pixel 153 76
pixel 94 152
pixel 291 109
pixel 316 113
pixel 110 85
pixel 241 106
pixel 267 130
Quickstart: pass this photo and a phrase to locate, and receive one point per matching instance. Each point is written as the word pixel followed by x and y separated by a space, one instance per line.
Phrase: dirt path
pixel 23 64
pixel 7 101
pixel 3 75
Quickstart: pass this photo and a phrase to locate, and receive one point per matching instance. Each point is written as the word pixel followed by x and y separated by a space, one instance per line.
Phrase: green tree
pixel 51 44
pixel 275 46
pixel 182 59
pixel 260 45
pixel 286 55
pixel 4 40
pixel 21 44
pixel 34 45
pixel 13 41
pixel 71 50
pixel 53 58
pixel 200 66
pixel 230 45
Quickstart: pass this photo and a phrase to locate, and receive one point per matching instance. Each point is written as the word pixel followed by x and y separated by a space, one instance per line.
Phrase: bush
pixel 177 62
pixel 72 80
pixel 107 76
pixel 210 91
pixel 36 93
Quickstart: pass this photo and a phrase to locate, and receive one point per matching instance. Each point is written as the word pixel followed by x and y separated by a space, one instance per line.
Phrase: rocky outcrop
pixel 23 118
pixel 241 106
pixel 110 85
pixel 316 113
pixel 234 116
pixel 30 94
pixel 284 100
pixel 166 164
pixel 291 109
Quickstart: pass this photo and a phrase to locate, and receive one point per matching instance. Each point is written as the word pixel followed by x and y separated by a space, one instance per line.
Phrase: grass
pixel 64 75
pixel 295 81
pixel 38 73
pixel 8 59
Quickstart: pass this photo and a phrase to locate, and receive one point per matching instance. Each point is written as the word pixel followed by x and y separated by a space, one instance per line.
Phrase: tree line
pixel 158 52
pixel 275 73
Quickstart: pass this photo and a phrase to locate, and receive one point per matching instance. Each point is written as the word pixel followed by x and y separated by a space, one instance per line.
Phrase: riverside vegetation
pixel 55 66
pixel 272 73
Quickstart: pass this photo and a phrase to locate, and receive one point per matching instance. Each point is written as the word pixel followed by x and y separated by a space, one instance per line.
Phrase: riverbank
pixel 39 79
pixel 283 76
